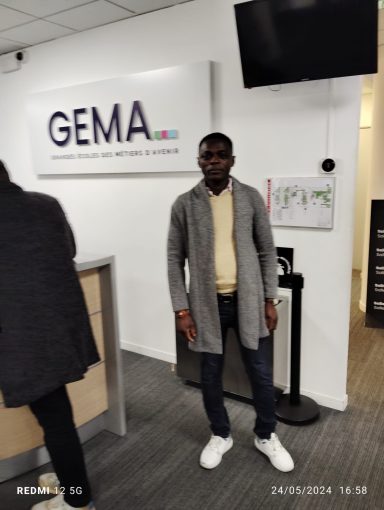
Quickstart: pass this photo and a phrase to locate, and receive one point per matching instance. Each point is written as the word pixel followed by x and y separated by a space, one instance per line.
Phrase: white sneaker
pixel 276 452
pixel 58 503
pixel 49 481
pixel 213 453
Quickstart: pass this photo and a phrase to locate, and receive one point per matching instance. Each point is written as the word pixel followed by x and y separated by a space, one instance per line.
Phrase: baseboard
pixel 148 351
pixel 322 400
pixel 325 400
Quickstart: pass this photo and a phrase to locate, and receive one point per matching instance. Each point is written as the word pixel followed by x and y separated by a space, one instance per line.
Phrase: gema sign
pixel 146 122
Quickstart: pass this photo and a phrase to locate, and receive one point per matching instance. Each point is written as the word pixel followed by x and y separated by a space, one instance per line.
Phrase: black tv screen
pixel 283 41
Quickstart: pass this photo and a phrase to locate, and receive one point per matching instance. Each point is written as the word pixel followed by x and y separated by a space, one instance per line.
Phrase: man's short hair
pixel 221 137
pixel 4 175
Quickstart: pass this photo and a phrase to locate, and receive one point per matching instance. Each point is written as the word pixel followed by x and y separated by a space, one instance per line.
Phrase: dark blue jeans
pixel 259 370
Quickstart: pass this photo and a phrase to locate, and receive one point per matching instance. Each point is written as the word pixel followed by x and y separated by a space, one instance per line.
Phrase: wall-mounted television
pixel 284 41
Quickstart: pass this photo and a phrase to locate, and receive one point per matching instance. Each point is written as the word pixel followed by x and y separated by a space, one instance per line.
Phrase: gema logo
pixel 85 126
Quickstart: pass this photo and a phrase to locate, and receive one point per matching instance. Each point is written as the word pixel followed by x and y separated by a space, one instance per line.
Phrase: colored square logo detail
pixel 165 134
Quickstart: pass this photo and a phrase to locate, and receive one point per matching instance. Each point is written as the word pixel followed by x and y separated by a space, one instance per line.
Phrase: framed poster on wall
pixel 301 201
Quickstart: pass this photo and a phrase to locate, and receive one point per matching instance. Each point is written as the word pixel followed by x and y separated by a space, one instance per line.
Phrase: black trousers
pixel 259 370
pixel 54 414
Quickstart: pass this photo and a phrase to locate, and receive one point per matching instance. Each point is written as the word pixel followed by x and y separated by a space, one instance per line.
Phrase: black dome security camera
pixel 328 165
pixel 19 56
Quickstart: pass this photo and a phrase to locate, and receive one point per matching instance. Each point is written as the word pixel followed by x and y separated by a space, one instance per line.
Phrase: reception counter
pixel 97 400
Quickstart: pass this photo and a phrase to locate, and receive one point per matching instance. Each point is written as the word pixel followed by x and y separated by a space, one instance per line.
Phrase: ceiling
pixel 25 23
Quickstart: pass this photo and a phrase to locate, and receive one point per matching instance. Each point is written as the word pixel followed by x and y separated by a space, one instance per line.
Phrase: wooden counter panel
pixel 97 328
pixel 20 431
pixel 90 282
pixel 89 396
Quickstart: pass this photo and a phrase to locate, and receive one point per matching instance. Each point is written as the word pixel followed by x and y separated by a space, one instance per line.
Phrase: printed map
pixel 301 201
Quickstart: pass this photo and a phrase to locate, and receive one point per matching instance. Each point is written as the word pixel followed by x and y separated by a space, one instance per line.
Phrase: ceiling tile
pixel 22 23
pixel 36 32
pixel 90 15
pixel 141 6
pixel 41 8
pixel 8 46
pixel 10 18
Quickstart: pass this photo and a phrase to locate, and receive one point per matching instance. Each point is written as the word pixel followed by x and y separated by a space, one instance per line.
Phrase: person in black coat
pixel 46 340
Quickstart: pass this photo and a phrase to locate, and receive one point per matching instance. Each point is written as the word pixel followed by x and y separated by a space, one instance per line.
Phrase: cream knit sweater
pixel 225 249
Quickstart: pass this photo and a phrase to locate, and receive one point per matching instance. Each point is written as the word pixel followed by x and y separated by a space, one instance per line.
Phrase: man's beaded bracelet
pixel 181 313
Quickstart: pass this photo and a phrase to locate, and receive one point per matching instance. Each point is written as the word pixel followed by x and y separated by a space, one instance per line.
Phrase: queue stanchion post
pixel 293 408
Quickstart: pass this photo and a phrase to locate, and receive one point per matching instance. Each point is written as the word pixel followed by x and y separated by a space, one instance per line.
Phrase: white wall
pixel 275 134
pixel 362 179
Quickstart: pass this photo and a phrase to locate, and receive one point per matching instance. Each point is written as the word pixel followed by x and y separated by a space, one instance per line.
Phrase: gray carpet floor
pixel 155 466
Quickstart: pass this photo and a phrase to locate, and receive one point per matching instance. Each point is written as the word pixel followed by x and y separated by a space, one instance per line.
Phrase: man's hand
pixel 186 326
pixel 270 316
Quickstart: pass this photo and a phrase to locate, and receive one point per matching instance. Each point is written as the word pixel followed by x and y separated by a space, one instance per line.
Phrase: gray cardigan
pixel 191 237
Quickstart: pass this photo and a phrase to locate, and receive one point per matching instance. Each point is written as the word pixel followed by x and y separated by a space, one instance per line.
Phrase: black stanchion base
pixel 278 393
pixel 304 412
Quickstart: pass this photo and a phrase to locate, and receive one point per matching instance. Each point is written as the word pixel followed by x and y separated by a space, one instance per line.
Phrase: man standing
pixel 45 336
pixel 222 228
